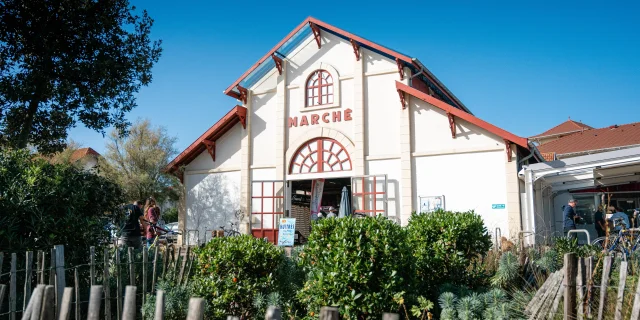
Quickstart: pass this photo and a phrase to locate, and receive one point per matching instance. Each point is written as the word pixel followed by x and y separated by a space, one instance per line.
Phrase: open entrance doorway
pixel 301 191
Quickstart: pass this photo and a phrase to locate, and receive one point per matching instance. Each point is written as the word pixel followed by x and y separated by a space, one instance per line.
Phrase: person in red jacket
pixel 151 214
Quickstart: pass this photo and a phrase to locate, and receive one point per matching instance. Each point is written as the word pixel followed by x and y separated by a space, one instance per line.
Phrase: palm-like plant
pixel 507 271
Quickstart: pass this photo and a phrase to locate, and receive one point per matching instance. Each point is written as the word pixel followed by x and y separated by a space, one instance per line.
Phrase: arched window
pixel 319 88
pixel 320 155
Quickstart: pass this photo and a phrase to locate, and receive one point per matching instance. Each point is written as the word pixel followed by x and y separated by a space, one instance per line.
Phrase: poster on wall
pixel 317 187
pixel 431 204
pixel 287 232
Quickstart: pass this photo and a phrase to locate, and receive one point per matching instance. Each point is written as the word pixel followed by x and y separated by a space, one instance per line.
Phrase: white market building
pixel 327 104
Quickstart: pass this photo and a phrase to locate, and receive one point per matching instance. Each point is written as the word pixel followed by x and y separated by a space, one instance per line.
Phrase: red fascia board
pixel 463 115
pixel 216 131
pixel 324 25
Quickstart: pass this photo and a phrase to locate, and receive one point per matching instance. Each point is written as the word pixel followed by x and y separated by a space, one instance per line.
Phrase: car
pixel 173 226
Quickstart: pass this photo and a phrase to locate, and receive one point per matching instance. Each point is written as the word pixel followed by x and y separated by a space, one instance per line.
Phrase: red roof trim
pixel 324 25
pixel 463 115
pixel 228 121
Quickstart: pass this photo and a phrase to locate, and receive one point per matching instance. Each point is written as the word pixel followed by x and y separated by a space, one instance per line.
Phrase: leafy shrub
pixel 232 271
pixel 446 246
pixel 493 305
pixel 176 299
pixel 564 245
pixel 508 271
pixel 170 215
pixel 43 204
pixel 358 265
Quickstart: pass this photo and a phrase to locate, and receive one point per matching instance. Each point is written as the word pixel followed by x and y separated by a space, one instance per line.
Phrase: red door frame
pixel 270 232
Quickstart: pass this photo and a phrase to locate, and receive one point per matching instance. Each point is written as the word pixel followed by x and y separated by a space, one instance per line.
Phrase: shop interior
pixel 301 203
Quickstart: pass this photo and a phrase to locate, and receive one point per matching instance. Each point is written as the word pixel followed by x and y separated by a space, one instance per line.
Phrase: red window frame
pixel 270 232
pixel 316 90
pixel 320 161
pixel 374 193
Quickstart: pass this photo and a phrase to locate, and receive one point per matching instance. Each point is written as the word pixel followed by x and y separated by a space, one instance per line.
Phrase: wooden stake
pixel 40 267
pixel 92 265
pixel 76 280
pixel 155 268
pixel 184 265
pixel 49 303
pixel 145 257
pixel 12 287
pixel 95 299
pixel 36 307
pixel 635 312
pixel 118 286
pixel 132 270
pixel 196 309
pixel 27 279
pixel 66 304
pixel 129 312
pixel 329 313
pixel 106 286
pixel 570 273
pixel 159 315
pixel 606 268
pixel 580 287
pixel 60 277
pixel 621 285
pixel 165 259
pixel 52 267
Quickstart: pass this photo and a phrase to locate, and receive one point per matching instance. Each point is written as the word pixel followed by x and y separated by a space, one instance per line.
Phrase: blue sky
pixel 524 67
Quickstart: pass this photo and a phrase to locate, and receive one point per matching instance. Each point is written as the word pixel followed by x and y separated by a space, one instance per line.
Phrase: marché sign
pixel 314 118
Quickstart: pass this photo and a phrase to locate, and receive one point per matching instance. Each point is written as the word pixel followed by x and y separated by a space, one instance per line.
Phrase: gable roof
pixel 303 30
pixel 568 126
pixel 595 139
pixel 228 121
pixel 81 153
pixel 463 115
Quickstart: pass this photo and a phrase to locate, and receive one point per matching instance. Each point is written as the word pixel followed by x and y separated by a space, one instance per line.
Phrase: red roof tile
pixel 595 139
pixel 565 127
pixel 83 152
pixel 548 156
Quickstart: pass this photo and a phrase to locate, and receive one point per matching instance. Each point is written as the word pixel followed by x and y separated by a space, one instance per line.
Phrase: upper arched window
pixel 319 88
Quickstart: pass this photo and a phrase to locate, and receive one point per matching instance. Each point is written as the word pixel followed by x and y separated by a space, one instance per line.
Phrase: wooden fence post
pixel 3 289
pixel 273 313
pixel 12 287
pixel 106 286
pixel 48 303
pixel 589 282
pixel 26 313
pixel 52 267
pixel 606 268
pixel 60 277
pixel 184 265
pixel 175 264
pixel 39 267
pixel 118 286
pixel 580 282
pixel 129 312
pixel 95 298
pixel 132 267
pixel 1 259
pixel 621 285
pixel 145 258
pixel 390 316
pixel 155 268
pixel 159 314
pixel 66 304
pixel 76 280
pixel 27 279
pixel 635 312
pixel 165 258
pixel 92 265
pixel 37 297
pixel 196 309
pixel 329 313
pixel 569 282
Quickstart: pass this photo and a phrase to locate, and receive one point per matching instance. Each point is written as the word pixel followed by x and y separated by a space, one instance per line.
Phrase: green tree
pixel 136 162
pixel 64 61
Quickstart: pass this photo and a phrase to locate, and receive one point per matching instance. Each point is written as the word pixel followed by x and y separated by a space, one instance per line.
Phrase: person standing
pixel 131 232
pixel 152 215
pixel 570 217
pixel 619 214
pixel 600 223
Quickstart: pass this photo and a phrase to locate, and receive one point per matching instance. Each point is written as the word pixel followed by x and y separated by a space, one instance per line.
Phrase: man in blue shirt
pixel 570 216
pixel 619 214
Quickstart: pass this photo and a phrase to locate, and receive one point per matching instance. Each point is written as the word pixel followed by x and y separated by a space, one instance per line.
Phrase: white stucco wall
pixel 382 115
pixel 469 181
pixel 227 153
pixel 263 134
pixel 212 199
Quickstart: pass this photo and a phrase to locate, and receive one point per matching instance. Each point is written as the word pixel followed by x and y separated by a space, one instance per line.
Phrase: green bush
pixel 358 265
pixel 170 215
pixel 232 271
pixel 176 301
pixel 446 247
pixel 43 204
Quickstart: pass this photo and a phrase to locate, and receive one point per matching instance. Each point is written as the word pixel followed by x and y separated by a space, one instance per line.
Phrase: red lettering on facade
pixel 314 119
pixel 325 117
pixel 293 122
pixel 337 116
pixel 304 121
pixel 347 115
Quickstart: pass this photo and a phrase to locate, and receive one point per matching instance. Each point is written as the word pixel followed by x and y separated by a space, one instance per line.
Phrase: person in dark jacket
pixel 600 223
pixel 570 217
pixel 131 235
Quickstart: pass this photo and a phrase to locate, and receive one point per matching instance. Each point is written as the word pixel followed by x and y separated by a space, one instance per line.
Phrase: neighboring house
pixel 326 110
pixel 87 156
pixel 571 139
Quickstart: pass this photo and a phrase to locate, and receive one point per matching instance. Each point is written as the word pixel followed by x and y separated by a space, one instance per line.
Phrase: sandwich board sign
pixel 286 232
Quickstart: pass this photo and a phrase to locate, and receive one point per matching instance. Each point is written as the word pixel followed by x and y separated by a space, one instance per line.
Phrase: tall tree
pixel 64 61
pixel 136 162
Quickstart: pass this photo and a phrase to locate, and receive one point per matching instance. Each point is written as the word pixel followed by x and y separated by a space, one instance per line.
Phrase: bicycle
pixel 621 243
pixel 231 232
pixel 156 228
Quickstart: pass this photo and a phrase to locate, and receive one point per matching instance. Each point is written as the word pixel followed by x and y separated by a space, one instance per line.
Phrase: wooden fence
pixel 42 306
pixel 140 267
pixel 574 287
